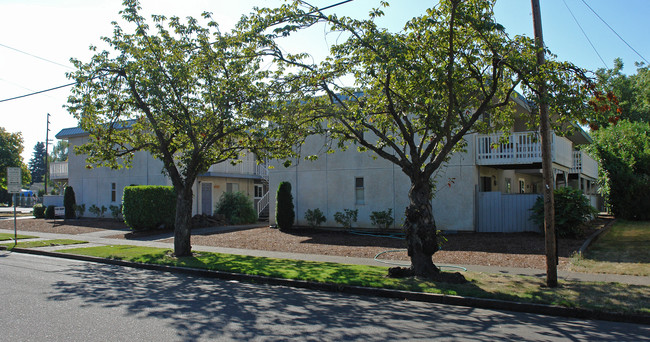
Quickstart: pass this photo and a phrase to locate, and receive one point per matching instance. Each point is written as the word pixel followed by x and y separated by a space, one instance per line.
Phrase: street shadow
pixel 198 308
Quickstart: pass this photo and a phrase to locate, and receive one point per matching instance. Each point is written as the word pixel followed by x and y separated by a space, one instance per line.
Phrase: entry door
pixel 206 198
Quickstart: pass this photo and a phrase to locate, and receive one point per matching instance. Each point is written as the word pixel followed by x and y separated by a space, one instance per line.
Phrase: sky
pixel 50 32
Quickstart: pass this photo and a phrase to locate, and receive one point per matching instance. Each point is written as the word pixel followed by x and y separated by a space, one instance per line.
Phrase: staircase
pixel 262 205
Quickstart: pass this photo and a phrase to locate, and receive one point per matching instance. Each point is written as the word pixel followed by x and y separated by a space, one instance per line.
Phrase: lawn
pixel 8 236
pixel 624 249
pixel 43 243
pixel 610 297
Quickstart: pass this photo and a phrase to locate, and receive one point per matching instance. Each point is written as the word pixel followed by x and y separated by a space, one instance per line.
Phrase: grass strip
pixel 44 243
pixel 611 297
pixel 621 250
pixel 7 236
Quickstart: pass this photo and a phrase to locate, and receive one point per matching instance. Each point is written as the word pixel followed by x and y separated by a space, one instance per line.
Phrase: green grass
pixel 8 236
pixel 624 249
pixel 44 243
pixel 611 297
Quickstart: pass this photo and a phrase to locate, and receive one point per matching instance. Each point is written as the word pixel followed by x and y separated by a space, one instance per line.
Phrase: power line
pixel 585 34
pixel 32 55
pixel 618 35
pixel 70 84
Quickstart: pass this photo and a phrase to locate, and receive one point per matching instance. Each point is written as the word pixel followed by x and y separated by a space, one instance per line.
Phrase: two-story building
pixel 103 186
pixel 488 188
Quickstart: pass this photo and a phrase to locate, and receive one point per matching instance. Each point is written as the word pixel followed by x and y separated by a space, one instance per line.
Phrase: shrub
pixel 149 206
pixel 382 219
pixel 80 210
pixel 69 202
pixel 39 210
pixel 571 210
pixel 284 211
pixel 346 218
pixel 49 212
pixel 116 211
pixel 236 207
pixel 314 217
pixel 94 210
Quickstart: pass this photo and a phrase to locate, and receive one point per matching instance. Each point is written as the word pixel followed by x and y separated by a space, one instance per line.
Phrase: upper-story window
pixel 113 192
pixel 359 195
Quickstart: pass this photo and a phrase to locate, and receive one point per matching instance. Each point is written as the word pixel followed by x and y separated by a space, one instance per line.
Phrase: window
pixel 522 186
pixel 259 190
pixel 508 185
pixel 232 187
pixel 359 195
pixel 113 192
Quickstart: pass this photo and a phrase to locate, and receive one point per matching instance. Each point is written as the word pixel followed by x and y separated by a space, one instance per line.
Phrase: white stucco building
pixel 103 186
pixel 490 187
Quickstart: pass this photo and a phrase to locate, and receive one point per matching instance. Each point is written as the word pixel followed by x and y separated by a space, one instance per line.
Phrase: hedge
pixel 149 207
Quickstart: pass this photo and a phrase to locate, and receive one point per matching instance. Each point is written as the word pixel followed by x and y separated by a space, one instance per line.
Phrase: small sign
pixel 59 211
pixel 14 183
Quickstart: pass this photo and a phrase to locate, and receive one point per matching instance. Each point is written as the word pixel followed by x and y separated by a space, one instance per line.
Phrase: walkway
pixel 99 238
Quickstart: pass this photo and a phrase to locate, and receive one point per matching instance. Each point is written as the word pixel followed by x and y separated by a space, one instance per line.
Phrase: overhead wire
pixel 585 34
pixel 37 57
pixel 73 83
pixel 616 33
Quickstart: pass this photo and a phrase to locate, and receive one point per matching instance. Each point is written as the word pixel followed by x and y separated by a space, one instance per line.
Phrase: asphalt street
pixel 51 299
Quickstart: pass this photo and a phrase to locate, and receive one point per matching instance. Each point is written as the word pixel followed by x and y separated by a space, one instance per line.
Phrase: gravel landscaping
pixel 508 250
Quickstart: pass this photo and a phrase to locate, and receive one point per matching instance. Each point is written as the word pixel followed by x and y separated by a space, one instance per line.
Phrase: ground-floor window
pixel 359 195
pixel 113 192
pixel 232 187
pixel 522 186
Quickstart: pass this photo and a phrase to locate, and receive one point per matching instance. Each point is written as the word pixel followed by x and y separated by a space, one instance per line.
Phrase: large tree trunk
pixel 421 235
pixel 182 223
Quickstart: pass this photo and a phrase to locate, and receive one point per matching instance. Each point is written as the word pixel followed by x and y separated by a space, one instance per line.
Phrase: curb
pixel 594 237
pixel 495 304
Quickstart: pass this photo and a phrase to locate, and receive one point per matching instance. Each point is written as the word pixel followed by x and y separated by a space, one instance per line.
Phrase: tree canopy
pixel 417 93
pixel 37 166
pixel 190 95
pixel 11 146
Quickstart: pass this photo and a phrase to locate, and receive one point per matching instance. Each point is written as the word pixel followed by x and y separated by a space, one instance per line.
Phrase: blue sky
pixel 59 29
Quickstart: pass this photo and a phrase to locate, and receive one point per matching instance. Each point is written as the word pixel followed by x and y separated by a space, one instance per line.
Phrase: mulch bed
pixel 492 249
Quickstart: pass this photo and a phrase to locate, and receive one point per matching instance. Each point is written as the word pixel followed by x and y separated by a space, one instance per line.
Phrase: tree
pixel 37 163
pixel 418 92
pixel 59 151
pixel 69 202
pixel 191 96
pixel 631 95
pixel 11 146
pixel 624 176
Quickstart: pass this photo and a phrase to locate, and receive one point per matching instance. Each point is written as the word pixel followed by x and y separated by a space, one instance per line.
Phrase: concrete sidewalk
pixel 99 238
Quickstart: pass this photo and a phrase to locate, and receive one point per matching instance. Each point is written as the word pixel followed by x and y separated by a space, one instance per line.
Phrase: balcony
pixel 58 170
pixel 245 167
pixel 520 148
pixel 584 164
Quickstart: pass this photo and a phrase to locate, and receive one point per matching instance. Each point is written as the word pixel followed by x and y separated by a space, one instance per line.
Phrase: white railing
pixel 584 164
pixel 246 167
pixel 262 203
pixel 58 170
pixel 520 148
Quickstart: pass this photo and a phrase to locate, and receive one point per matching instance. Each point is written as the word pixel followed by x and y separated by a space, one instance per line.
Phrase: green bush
pixel 80 210
pixel 346 218
pixel 237 208
pixel 285 214
pixel 49 212
pixel 314 217
pixel 149 206
pixel 69 202
pixel 94 210
pixel 571 210
pixel 39 210
pixel 382 219
pixel 116 211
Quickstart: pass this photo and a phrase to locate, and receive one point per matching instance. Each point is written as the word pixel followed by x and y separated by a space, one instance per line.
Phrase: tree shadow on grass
pixel 197 308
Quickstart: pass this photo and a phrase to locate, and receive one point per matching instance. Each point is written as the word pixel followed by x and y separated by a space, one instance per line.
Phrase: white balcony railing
pixel 520 148
pixel 59 170
pixel 584 164
pixel 246 167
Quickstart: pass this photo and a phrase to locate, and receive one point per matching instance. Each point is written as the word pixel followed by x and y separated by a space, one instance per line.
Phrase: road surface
pixel 51 299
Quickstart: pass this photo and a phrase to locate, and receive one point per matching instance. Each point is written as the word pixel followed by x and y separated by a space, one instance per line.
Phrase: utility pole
pixel 547 164
pixel 47 144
